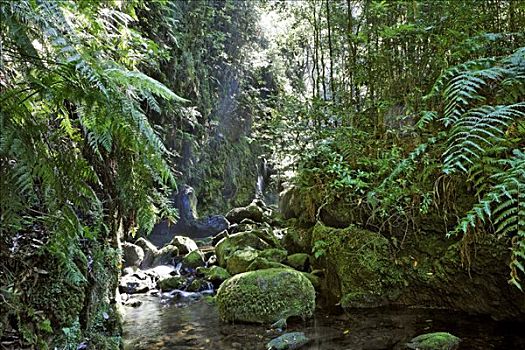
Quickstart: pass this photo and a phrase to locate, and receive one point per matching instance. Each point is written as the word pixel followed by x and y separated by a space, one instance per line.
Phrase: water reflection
pixel 188 324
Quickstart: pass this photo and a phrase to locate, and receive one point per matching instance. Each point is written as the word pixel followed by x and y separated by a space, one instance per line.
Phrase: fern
pixel 484 112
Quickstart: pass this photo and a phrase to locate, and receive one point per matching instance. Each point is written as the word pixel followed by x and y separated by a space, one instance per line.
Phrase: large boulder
pixel 132 254
pixel 252 212
pixel 184 244
pixel 229 245
pixel 214 274
pixel 434 341
pixel 266 296
pixel 166 255
pixel 359 269
pixel 193 259
pixel 150 251
pixel 240 260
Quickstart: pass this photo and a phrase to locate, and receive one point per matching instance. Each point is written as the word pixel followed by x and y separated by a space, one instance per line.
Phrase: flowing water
pixel 191 322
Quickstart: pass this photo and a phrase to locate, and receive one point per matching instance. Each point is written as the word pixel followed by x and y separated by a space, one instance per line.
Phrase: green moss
pixel 172 282
pixel 214 273
pixel 240 260
pixel 297 239
pixel 274 254
pixel 265 296
pixel 193 259
pixel 359 269
pixel 229 245
pixel 263 263
pixel 299 261
pixel 435 341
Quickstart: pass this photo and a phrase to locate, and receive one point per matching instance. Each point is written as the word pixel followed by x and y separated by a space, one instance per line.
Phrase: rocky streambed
pixel 255 286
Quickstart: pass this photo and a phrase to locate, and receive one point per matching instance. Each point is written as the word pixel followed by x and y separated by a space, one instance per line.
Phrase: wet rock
pixel 293 340
pixel 214 274
pixel 193 259
pixel 227 246
pixel 132 254
pixel 252 212
pixel 131 302
pixel 263 263
pixel 240 260
pixel 196 285
pixel 166 255
pixel 131 284
pixel 184 244
pixel 171 282
pixel 434 341
pixel 150 251
pixel 265 296
pixel 299 261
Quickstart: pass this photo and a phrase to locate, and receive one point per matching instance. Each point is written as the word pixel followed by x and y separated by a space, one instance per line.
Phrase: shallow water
pixel 188 324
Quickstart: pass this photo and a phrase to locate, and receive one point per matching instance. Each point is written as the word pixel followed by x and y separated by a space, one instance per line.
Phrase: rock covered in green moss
pixel 299 261
pixel 434 341
pixel 171 282
pixel 262 263
pixel 252 212
pixel 193 259
pixel 360 271
pixel 241 259
pixel 214 274
pixel 227 246
pixel 288 341
pixel 297 239
pixel 274 254
pixel 265 296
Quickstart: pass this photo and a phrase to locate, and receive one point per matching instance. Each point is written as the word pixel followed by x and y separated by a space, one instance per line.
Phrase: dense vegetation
pixel 397 112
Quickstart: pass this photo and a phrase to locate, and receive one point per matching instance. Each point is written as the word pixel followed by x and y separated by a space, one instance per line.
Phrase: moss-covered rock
pixel 193 259
pixel 150 251
pixel 288 341
pixel 297 239
pixel 227 246
pixel 360 271
pixel 274 254
pixel 171 282
pixel 214 274
pixel 266 296
pixel 252 212
pixel 299 261
pixel 263 263
pixel 132 255
pixel 239 261
pixel 434 341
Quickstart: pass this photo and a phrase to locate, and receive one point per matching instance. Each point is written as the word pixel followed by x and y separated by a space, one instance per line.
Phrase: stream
pixel 193 323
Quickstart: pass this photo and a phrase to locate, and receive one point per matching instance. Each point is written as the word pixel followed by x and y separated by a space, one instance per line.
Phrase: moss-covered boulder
pixel 171 282
pixel 252 212
pixel 193 259
pixel 214 274
pixel 359 269
pixel 266 296
pixel 297 239
pixel 239 261
pixel 229 245
pixel 434 341
pixel 299 261
pixel 274 254
pixel 150 251
pixel 263 263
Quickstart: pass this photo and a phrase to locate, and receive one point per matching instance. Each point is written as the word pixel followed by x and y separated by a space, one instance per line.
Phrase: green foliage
pixel 484 113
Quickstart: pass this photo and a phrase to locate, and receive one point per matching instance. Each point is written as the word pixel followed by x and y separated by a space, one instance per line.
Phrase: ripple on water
pixel 182 323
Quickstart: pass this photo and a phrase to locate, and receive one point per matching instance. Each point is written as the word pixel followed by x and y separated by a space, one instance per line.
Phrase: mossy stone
pixel 240 260
pixel 214 274
pixel 274 254
pixel 266 296
pixel 165 255
pixel 229 245
pixel 263 263
pixel 193 259
pixel 172 282
pixel 299 261
pixel 359 269
pixel 435 341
